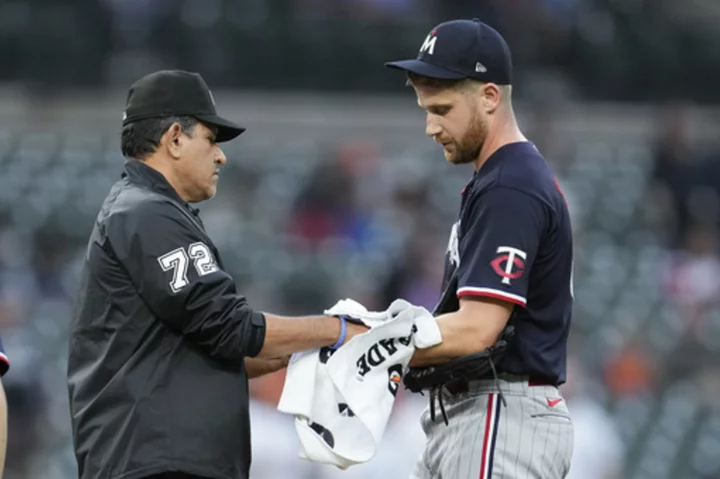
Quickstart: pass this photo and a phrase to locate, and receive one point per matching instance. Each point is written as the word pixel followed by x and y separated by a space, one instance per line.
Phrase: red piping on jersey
pixel 557 186
pixel 492 295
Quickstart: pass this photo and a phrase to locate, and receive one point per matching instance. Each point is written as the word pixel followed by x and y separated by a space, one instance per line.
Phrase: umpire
pixel 162 345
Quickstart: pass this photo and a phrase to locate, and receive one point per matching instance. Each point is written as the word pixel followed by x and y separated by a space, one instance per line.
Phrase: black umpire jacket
pixel 156 376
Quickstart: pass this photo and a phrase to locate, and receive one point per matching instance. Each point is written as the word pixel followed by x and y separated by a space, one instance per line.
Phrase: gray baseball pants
pixel 528 437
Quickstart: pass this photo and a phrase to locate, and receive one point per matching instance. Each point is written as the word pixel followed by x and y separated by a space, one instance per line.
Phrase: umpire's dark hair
pixel 141 138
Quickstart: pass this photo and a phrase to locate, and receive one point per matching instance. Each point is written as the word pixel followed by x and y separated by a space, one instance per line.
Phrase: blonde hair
pixel 463 85
pixel 466 86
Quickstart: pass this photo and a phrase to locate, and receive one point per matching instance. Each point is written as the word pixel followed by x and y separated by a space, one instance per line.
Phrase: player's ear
pixel 172 140
pixel 489 97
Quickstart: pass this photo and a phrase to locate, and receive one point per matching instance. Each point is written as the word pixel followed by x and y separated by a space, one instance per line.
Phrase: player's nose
pixel 432 127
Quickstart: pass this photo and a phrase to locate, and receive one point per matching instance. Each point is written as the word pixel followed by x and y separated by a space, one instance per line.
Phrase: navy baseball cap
pixel 176 92
pixel 462 49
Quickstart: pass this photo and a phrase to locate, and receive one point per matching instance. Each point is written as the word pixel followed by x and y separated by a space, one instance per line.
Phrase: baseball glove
pixel 473 366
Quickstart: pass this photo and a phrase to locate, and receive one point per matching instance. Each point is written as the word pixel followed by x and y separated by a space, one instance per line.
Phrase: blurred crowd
pixel 637 50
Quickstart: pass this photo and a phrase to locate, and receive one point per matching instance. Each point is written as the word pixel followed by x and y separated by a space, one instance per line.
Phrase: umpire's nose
pixel 220 158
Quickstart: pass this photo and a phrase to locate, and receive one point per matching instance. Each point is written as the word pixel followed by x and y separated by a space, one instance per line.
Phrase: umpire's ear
pixel 173 140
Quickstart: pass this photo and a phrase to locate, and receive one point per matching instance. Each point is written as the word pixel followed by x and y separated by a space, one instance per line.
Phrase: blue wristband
pixel 343 334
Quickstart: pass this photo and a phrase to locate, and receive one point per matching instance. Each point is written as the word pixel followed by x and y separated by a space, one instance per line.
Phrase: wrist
pixel 343 333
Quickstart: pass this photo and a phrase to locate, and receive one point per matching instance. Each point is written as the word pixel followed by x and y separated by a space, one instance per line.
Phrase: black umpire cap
pixel 176 92
pixel 462 49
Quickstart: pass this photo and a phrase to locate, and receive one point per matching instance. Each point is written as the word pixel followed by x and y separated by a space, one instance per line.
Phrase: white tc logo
pixel 511 261
pixel 429 44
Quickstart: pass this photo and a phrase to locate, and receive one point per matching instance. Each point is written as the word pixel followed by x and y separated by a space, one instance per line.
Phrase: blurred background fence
pixel 335 192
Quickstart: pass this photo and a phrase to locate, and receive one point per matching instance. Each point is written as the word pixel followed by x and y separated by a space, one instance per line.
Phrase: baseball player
pixel 508 269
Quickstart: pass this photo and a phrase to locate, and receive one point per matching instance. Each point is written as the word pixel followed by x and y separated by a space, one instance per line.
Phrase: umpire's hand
pixel 257 367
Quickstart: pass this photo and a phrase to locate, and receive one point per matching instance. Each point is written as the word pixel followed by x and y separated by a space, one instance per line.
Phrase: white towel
pixel 342 400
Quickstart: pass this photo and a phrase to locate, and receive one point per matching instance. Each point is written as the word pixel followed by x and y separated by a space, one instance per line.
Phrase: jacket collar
pixel 139 173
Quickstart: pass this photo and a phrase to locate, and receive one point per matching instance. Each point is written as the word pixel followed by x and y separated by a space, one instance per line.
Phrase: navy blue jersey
pixel 513 241
pixel 4 362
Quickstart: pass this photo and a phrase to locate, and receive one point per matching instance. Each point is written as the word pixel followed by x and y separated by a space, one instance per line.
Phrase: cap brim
pixel 227 130
pixel 425 69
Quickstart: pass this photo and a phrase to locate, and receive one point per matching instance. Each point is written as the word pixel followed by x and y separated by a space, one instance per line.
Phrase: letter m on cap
pixel 429 44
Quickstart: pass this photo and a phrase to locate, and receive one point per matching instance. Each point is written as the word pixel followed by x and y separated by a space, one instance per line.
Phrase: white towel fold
pixel 342 400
